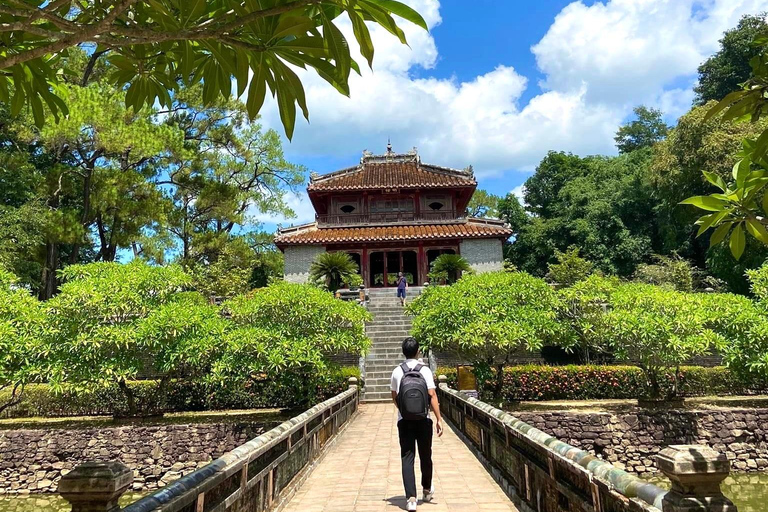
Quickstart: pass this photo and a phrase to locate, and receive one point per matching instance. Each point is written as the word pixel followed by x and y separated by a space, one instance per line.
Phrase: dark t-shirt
pixel 401 283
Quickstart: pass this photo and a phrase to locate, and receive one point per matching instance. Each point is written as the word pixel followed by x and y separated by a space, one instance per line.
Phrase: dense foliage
pixel 285 331
pixel 485 318
pixel 647 129
pixel 599 204
pixel 181 395
pixel 570 268
pixel 737 210
pixel 728 68
pixel 113 324
pixel 539 382
pixel 23 326
pixel 154 47
pixel 183 184
pixel 447 268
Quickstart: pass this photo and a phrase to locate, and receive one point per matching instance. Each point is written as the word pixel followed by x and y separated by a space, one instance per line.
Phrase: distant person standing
pixel 413 391
pixel 402 284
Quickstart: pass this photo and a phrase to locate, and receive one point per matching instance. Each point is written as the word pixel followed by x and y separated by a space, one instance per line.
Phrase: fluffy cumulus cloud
pixel 598 62
pixel 628 50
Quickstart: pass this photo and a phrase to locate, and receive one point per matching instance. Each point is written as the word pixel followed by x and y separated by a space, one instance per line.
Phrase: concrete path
pixel 361 473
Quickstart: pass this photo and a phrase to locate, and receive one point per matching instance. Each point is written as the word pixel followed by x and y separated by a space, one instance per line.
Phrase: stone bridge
pixel 343 456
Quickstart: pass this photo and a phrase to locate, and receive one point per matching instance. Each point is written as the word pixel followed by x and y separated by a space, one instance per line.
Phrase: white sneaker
pixel 429 494
pixel 411 505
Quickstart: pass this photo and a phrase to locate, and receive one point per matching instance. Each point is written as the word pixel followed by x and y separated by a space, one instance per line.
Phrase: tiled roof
pixel 312 234
pixel 391 171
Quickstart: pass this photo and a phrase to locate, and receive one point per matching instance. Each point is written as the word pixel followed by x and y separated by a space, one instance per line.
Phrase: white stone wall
pixel 297 262
pixel 484 255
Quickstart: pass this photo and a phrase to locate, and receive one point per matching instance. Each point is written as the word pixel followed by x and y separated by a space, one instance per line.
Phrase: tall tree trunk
pixel 75 255
pixel 48 283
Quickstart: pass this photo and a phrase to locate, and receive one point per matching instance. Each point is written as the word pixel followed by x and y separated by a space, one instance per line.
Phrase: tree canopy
pixel 644 131
pixel 728 68
pixel 156 47
pixel 179 184
pixel 598 204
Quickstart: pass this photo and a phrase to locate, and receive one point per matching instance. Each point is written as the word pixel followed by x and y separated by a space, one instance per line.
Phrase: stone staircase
pixel 390 326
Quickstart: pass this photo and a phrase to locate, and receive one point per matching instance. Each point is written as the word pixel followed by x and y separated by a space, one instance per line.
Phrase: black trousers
pixel 413 433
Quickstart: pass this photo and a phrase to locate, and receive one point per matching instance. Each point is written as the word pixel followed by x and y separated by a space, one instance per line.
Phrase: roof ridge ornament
pixel 313 176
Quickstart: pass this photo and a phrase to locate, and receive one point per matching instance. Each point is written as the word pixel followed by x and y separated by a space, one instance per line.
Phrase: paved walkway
pixel 361 473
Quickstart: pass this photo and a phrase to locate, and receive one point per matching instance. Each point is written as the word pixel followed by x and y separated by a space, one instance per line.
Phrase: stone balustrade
pixel 256 476
pixel 541 473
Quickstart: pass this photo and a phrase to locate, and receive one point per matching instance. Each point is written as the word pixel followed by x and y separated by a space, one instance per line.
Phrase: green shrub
pixel 39 400
pixel 570 267
pixel 485 318
pixel 537 382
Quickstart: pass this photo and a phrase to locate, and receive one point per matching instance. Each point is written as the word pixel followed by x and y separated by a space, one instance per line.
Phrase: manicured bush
pixel 485 318
pixel 284 332
pixel 40 401
pixel 23 324
pixel 538 382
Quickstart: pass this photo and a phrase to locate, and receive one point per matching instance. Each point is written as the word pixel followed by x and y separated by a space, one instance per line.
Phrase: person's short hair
pixel 410 347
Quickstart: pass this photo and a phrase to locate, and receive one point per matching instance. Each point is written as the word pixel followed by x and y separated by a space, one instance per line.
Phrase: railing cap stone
pixel 97 483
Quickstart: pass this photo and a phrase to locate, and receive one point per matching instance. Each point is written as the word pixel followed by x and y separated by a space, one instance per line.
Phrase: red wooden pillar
pixel 422 264
pixel 364 268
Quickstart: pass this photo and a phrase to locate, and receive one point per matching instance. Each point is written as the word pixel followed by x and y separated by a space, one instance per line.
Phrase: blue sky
pixel 497 83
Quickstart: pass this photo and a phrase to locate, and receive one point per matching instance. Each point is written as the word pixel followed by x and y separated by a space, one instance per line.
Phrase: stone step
pixel 379 395
pixel 387 341
pixel 378 366
pixel 384 354
pixel 385 326
pixel 388 332
pixel 383 385
pixel 390 322
pixel 378 375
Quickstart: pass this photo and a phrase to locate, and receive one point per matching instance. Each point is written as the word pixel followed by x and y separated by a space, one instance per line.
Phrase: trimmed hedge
pixel 181 396
pixel 538 382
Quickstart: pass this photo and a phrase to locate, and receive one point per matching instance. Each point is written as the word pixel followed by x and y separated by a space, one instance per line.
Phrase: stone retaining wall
pixel 630 440
pixel 34 460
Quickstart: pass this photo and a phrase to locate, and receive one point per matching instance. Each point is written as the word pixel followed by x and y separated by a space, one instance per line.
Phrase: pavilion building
pixel 392 213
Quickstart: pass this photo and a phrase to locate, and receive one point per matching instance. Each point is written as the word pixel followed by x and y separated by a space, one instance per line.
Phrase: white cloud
pixel 628 50
pixel 519 192
pixel 599 61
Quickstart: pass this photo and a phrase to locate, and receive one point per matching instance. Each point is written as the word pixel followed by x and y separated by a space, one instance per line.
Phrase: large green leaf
pixel 405 12
pixel 362 35
pixel 757 230
pixel 705 203
pixel 737 241
pixel 719 234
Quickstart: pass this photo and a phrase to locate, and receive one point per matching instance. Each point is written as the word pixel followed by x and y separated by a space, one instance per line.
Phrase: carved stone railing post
pixel 442 379
pixel 352 382
pixel 96 486
pixel 696 473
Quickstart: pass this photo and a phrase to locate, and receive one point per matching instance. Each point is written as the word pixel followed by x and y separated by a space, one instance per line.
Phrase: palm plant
pixel 331 270
pixel 449 267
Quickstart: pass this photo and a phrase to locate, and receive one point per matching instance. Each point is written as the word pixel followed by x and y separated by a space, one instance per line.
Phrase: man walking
pixel 402 284
pixel 413 391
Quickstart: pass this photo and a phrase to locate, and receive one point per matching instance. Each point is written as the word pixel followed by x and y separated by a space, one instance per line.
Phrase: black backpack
pixel 413 396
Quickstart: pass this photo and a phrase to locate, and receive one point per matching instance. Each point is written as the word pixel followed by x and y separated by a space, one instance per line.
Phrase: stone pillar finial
pixel 96 486
pixel 442 379
pixel 352 382
pixel 696 472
